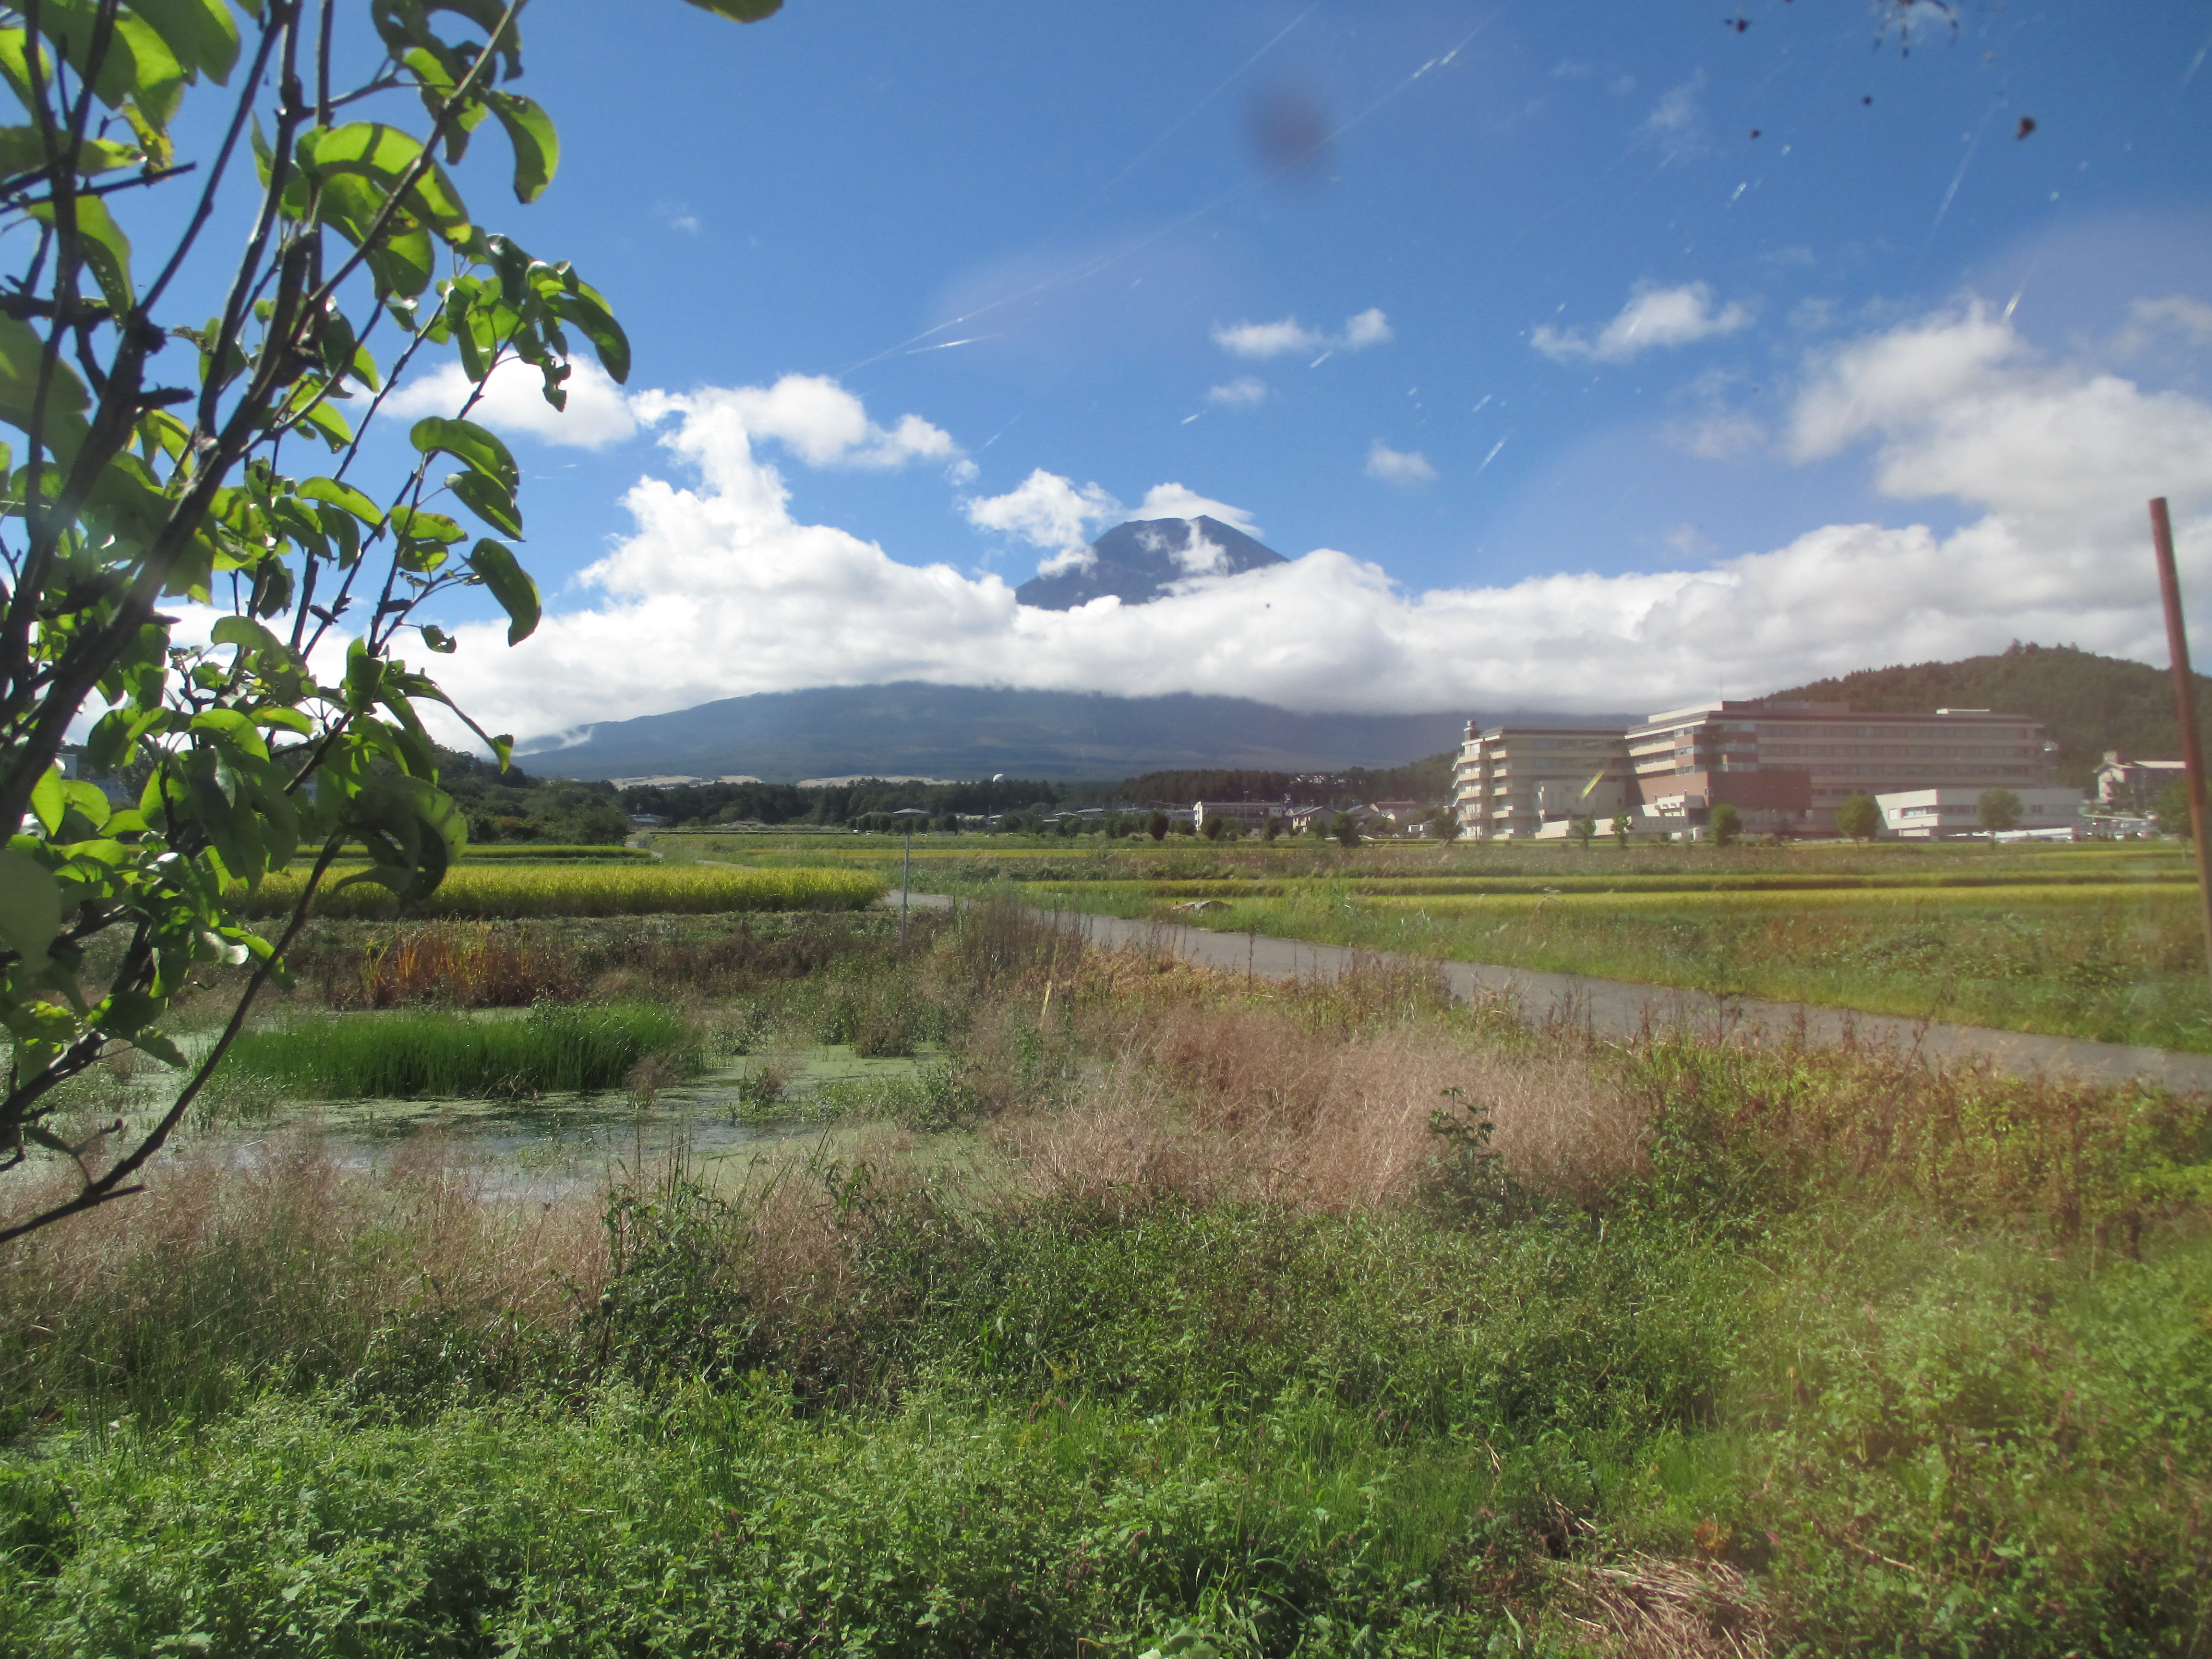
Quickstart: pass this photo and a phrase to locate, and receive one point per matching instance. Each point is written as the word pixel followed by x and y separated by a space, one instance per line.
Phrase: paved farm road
pixel 1615 1007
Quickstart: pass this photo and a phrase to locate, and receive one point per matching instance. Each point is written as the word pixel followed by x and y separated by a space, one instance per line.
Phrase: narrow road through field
pixel 1615 1007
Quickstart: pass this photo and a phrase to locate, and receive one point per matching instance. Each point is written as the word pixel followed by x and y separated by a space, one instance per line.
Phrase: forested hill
pixel 2087 703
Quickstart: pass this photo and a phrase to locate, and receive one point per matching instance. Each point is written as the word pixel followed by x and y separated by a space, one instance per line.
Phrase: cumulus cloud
pixel 598 413
pixel 811 416
pixel 1047 510
pixel 1245 392
pixel 1260 341
pixel 721 591
pixel 1403 467
pixel 1653 317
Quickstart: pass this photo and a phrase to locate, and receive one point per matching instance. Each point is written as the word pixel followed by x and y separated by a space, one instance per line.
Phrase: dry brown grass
pixel 1645 1608
pixel 1316 1095
pixel 282 1258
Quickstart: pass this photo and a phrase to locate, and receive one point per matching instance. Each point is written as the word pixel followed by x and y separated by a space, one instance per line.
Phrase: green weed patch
pixel 551 1049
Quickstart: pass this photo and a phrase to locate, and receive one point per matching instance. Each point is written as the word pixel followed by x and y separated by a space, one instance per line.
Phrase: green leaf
pixel 106 248
pixel 741 11
pixel 579 303
pixel 23 150
pixel 537 146
pixel 470 444
pixel 488 499
pixel 495 566
pixel 20 351
pixel 417 525
pixel 136 65
pixel 342 495
pixel 47 801
pixel 86 799
pixel 438 639
pixel 382 157
pixel 30 905
pixel 201 33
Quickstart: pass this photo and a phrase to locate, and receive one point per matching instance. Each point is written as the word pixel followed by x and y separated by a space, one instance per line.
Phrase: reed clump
pixel 554 1048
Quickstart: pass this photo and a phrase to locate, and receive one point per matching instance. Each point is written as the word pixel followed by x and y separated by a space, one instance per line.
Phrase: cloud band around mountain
pixel 721 591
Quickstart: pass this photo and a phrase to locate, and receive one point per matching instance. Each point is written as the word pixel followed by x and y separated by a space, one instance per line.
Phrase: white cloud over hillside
pixel 721 591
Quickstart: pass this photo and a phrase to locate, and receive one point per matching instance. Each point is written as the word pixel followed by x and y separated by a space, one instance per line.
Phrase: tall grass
pixel 496 891
pixel 551 1049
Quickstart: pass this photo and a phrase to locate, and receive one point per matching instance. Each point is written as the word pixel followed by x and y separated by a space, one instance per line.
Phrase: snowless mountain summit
pixel 1141 561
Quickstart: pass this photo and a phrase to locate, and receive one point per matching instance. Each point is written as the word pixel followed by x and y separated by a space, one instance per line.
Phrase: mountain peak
pixel 1140 560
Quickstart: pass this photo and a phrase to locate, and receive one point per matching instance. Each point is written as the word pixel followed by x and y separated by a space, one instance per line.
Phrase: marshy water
pixel 543 1145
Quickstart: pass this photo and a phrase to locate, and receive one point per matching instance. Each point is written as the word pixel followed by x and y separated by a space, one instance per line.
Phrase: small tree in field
pixel 1271 829
pixel 1622 824
pixel 1345 829
pixel 1997 811
pixel 1727 824
pixel 1446 825
pixel 2172 810
pixel 1584 830
pixel 1859 818
pixel 1216 826
pixel 1157 826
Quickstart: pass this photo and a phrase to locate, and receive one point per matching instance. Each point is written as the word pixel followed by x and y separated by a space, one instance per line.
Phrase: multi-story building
pixel 1784 767
pixel 1511 781
pixel 2125 785
pixel 1717 750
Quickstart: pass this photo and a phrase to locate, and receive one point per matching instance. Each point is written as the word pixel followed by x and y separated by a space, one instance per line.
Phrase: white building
pixel 1954 814
pixel 2124 785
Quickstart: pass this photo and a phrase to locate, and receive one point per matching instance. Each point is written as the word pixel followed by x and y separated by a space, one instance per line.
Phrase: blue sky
pixel 1561 386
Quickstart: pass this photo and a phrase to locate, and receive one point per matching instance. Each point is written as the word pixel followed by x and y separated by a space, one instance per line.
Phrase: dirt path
pixel 1615 1007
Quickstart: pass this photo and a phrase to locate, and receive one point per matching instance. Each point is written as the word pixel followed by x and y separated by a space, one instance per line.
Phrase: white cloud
pixel 1047 511
pixel 1172 501
pixel 2176 316
pixel 1371 327
pixel 598 413
pixel 720 592
pixel 1260 341
pixel 1245 392
pixel 1653 317
pixel 811 416
pixel 1676 122
pixel 1403 467
pixel 1721 434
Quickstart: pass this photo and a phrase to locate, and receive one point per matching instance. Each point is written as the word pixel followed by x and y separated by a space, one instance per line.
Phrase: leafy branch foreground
pixel 1182 1330
pixel 140 513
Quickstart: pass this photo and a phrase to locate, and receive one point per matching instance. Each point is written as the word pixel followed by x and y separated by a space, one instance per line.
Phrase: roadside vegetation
pixel 1173 1313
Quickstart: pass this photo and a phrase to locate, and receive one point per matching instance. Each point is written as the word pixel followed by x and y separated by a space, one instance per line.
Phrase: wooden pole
pixel 2184 705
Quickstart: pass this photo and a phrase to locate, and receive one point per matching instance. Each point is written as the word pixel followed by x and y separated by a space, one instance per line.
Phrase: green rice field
pixel 503 892
pixel 2097 940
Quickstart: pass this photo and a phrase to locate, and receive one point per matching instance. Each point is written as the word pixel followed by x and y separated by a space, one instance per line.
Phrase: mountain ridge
pixel 914 729
pixel 1142 561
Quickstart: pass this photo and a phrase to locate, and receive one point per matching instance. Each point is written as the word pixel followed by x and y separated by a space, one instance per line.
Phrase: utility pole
pixel 2184 705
